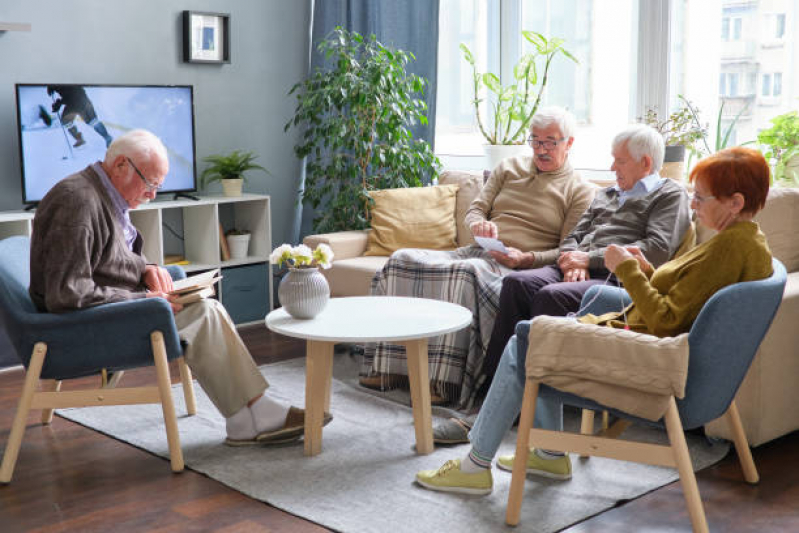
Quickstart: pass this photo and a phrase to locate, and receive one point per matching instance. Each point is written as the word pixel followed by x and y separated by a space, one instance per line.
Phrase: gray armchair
pixel 107 338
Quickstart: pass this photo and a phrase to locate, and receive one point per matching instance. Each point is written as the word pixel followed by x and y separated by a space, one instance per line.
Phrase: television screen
pixel 64 128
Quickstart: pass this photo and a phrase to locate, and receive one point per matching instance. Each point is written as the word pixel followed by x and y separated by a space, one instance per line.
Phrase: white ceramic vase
pixel 303 292
pixel 497 152
pixel 239 245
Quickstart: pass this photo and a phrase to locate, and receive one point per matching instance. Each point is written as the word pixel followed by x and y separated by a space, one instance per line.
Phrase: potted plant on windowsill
pixel 680 130
pixel 782 143
pixel 229 169
pixel 510 108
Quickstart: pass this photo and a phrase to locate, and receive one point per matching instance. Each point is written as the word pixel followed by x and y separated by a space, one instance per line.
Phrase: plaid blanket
pixel 466 276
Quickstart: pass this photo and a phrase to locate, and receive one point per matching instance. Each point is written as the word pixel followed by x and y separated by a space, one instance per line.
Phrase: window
pixel 771 85
pixel 766 91
pixel 774 26
pixel 777 84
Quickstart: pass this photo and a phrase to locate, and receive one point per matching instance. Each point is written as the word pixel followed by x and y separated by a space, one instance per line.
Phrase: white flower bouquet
pixel 302 256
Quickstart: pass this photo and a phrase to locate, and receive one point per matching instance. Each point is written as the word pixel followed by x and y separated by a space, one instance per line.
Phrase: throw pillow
pixel 416 217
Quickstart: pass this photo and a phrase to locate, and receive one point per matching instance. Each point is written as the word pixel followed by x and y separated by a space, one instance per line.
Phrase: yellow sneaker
pixel 449 478
pixel 560 468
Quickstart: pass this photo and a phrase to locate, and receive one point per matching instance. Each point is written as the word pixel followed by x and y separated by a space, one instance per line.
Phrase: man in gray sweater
pixel 85 252
pixel 641 210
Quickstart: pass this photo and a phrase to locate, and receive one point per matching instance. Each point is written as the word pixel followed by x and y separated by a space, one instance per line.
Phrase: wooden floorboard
pixel 70 478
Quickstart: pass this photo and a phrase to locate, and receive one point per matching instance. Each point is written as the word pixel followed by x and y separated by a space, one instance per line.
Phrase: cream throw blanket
pixel 633 372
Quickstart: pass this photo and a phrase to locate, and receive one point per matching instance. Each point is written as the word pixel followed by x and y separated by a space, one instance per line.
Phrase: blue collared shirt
pixel 643 186
pixel 120 206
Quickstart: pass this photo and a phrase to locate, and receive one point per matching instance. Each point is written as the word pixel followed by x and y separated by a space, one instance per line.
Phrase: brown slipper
pixel 292 429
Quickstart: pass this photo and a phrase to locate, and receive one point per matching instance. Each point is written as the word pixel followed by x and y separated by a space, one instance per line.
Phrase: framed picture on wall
pixel 206 37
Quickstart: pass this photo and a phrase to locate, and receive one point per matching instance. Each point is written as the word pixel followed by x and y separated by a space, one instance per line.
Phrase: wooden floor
pixel 69 478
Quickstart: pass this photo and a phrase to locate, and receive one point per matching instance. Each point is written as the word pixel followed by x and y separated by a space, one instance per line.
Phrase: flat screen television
pixel 65 127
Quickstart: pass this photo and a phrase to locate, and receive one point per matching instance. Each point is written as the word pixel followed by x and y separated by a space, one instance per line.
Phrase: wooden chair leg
pixel 741 444
pixel 587 425
pixel 687 477
pixel 513 513
pixel 167 405
pixel 188 387
pixel 49 385
pixel 18 426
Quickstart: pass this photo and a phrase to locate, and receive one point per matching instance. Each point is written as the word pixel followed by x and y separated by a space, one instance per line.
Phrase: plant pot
pixel 239 245
pixel 674 163
pixel 497 152
pixel 303 292
pixel 232 187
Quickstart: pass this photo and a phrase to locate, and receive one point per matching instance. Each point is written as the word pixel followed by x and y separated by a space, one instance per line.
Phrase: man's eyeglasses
pixel 548 144
pixel 701 199
pixel 147 185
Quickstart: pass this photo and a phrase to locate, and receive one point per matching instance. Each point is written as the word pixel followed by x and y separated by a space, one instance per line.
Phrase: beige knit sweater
pixel 533 210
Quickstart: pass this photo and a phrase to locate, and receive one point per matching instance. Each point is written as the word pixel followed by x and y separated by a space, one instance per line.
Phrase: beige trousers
pixel 217 356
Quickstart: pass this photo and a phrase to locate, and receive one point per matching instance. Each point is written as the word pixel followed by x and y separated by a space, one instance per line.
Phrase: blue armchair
pixel 106 338
pixel 722 343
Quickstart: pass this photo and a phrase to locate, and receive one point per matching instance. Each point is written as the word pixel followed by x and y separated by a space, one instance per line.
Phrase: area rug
pixel 363 481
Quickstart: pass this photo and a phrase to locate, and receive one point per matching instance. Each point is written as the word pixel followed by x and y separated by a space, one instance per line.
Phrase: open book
pixel 197 287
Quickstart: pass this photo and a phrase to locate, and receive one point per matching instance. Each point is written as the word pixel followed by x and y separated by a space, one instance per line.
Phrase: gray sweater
pixel 655 222
pixel 79 257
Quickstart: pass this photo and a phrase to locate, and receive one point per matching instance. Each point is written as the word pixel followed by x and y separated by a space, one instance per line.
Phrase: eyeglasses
pixel 547 145
pixel 149 187
pixel 701 199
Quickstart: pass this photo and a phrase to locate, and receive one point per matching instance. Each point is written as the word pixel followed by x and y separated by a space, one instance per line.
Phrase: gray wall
pixel 241 105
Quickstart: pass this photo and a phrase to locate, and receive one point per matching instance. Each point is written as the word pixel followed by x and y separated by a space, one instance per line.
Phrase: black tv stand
pixel 31 207
pixel 186 195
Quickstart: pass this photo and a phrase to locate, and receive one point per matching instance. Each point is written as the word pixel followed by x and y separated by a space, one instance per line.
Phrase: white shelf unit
pixel 247 281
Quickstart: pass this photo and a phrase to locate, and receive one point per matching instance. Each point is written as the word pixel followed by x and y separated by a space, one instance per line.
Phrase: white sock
pixel 268 414
pixel 468 466
pixel 240 426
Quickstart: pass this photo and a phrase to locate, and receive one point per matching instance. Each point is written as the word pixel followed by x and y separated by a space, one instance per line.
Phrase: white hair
pixel 547 116
pixel 642 140
pixel 139 143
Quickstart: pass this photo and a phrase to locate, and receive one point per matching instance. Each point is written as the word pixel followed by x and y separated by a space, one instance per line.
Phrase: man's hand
pixel 645 265
pixel 573 260
pixel 576 274
pixel 157 279
pixel 515 258
pixel 176 307
pixel 615 254
pixel 484 228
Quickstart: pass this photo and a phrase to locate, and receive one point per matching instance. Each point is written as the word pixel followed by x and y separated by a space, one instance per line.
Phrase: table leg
pixel 419 378
pixel 318 374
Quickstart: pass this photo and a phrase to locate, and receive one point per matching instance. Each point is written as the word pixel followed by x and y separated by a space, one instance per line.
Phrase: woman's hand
pixel 176 307
pixel 515 258
pixel 484 228
pixel 614 255
pixel 645 265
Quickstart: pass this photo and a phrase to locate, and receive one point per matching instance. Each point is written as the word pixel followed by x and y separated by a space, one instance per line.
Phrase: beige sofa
pixel 352 272
pixel 768 399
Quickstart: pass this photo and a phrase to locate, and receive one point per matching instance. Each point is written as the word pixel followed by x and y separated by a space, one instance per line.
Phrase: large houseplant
pixel 509 108
pixel 229 169
pixel 782 147
pixel 356 117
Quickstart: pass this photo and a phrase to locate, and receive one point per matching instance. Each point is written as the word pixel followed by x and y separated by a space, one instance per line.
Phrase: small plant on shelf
pixel 302 256
pixel 229 168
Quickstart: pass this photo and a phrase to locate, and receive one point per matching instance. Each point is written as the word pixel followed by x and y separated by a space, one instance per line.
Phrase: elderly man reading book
pixel 85 251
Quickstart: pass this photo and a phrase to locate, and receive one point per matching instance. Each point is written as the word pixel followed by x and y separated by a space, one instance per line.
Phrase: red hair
pixel 735 170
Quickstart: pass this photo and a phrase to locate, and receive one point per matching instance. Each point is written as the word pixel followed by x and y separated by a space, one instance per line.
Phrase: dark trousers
pixel 528 293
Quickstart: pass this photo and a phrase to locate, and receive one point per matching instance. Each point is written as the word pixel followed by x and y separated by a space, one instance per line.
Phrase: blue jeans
pixel 504 402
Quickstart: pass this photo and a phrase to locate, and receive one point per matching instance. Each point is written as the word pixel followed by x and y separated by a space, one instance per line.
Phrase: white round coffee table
pixel 405 321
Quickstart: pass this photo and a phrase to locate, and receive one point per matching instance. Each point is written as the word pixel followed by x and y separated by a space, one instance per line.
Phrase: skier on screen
pixel 77 104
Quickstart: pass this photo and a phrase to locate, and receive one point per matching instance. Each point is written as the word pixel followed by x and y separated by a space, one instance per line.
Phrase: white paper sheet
pixel 491 244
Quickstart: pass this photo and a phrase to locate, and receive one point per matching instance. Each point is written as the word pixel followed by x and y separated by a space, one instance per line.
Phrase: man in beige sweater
pixel 85 252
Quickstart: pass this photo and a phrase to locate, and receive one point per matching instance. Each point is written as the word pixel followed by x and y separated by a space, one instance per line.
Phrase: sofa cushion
pixel 469 186
pixel 353 276
pixel 414 217
pixel 779 221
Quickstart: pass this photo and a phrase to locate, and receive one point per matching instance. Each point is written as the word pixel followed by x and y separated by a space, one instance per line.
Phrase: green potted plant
pixel 229 169
pixel 355 118
pixel 681 130
pixel 782 148
pixel 510 108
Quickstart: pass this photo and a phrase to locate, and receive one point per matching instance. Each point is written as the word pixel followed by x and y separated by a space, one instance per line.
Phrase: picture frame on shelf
pixel 206 37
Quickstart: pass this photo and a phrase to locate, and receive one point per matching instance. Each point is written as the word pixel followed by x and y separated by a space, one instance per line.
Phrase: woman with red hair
pixel 730 187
